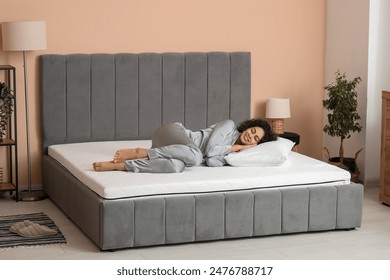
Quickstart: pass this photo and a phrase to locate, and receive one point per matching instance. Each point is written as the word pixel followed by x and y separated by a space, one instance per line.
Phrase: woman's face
pixel 252 135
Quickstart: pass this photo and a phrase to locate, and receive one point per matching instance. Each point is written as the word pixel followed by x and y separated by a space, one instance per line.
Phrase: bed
pixel 93 104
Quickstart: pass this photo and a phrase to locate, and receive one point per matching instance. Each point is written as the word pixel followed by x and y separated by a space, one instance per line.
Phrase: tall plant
pixel 342 106
pixel 6 108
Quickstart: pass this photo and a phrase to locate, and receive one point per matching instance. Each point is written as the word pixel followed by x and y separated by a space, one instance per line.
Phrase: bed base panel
pixel 157 220
pixel 75 200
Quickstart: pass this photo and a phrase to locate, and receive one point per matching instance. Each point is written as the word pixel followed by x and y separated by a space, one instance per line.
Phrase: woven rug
pixel 9 239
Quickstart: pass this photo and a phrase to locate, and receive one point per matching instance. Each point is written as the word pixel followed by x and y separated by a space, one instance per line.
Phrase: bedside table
pixel 295 137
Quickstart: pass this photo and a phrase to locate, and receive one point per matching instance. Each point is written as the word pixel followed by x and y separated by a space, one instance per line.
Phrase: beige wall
pixel 286 39
pixel 347 42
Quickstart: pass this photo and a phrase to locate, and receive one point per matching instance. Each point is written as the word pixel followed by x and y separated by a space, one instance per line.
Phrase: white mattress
pixel 297 170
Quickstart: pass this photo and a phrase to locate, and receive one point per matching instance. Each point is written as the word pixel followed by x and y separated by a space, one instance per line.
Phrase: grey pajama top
pixel 174 147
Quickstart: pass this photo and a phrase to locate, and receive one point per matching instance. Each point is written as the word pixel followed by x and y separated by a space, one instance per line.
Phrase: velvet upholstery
pixel 97 97
pixel 170 219
pixel 128 96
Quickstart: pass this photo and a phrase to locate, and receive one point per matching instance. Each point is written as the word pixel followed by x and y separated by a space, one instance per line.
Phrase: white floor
pixel 370 242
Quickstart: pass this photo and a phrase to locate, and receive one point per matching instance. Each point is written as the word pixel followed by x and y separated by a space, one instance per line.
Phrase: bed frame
pixel 101 97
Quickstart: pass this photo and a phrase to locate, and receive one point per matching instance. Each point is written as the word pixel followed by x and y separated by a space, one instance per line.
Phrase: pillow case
pixel 272 153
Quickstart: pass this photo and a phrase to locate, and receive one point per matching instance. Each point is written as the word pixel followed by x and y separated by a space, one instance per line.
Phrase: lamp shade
pixel 24 35
pixel 278 108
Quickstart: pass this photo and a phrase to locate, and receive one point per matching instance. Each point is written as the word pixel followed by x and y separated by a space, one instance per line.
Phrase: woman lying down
pixel 174 147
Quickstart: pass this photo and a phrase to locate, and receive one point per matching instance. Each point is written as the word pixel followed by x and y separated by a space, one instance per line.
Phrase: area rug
pixel 9 239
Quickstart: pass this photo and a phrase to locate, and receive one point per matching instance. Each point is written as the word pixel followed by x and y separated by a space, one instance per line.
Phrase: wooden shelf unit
pixel 9 144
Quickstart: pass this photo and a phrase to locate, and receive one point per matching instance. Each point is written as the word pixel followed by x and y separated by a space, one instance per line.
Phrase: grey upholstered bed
pixel 103 97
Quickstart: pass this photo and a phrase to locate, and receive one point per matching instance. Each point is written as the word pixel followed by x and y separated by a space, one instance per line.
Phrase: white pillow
pixel 266 154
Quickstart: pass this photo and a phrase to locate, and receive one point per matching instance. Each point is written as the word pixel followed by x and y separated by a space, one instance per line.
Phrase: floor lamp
pixel 25 36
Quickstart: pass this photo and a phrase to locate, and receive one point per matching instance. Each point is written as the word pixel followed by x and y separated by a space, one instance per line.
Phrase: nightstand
pixel 295 137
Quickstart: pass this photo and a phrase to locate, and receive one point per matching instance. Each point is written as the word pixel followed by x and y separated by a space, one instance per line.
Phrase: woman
pixel 174 147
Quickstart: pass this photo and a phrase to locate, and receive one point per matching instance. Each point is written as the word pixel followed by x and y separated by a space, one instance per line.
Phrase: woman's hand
pixel 239 148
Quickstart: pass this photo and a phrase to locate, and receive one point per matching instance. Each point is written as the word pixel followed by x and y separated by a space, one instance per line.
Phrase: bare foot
pixel 108 166
pixel 127 154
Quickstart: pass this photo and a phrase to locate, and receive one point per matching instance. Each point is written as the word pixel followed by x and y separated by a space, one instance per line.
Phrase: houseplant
pixel 342 117
pixel 6 105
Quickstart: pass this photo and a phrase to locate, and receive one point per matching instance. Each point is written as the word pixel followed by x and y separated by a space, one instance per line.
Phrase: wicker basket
pixel 1 175
pixel 348 164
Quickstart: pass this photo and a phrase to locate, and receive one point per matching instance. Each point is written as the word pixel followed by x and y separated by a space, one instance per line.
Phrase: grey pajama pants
pixel 172 150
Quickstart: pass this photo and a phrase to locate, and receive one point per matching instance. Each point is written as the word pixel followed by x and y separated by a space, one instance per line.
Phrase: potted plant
pixel 343 118
pixel 6 105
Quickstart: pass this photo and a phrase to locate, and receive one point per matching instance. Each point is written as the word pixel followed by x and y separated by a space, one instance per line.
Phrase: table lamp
pixel 278 109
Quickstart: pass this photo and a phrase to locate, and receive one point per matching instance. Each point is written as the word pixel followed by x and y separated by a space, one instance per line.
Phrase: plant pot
pixel 348 164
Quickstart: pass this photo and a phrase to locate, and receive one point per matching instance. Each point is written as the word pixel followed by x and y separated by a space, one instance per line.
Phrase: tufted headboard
pixel 102 97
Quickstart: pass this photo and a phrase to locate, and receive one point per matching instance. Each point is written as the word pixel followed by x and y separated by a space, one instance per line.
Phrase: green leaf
pixel 342 105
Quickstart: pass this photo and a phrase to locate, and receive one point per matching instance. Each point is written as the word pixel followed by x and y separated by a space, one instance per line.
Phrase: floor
pixel 370 242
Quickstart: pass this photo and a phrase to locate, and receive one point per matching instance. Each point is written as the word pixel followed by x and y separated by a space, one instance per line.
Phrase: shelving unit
pixel 9 147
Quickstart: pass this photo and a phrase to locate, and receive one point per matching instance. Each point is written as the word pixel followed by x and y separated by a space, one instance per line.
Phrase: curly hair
pixel 268 134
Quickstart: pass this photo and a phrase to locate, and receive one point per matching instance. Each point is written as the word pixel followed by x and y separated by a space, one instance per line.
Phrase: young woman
pixel 174 147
